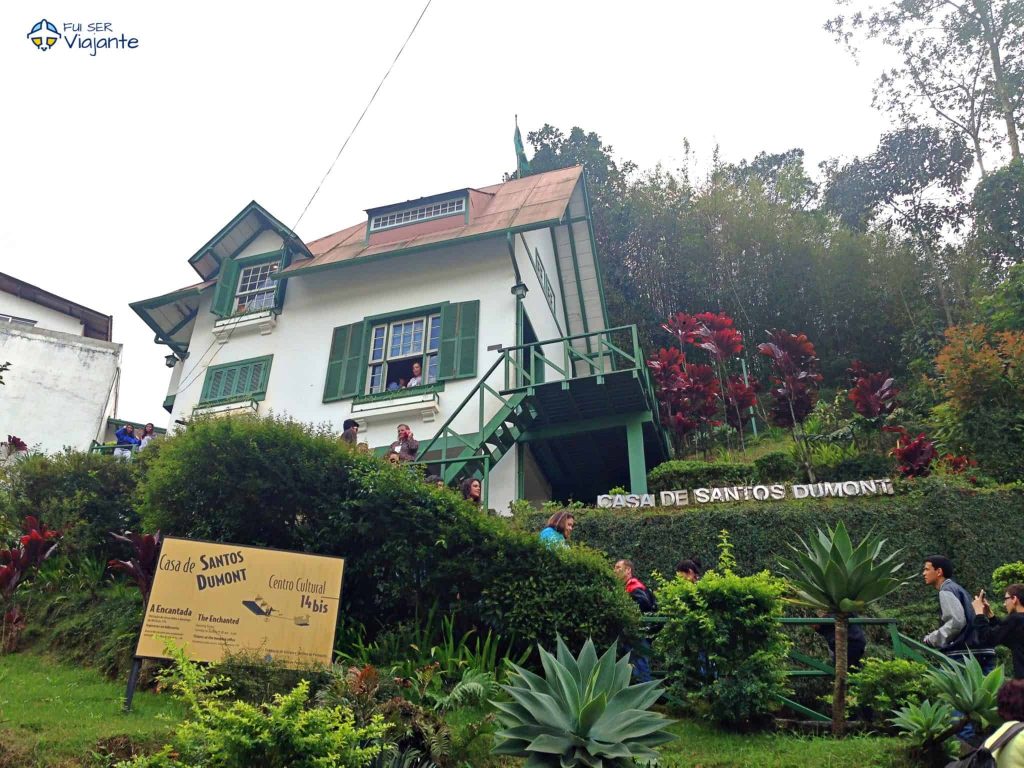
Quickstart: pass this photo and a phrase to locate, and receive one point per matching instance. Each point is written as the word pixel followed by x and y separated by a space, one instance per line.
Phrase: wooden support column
pixel 637 460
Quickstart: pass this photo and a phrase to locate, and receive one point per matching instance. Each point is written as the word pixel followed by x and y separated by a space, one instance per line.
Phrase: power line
pixel 361 116
pixel 197 370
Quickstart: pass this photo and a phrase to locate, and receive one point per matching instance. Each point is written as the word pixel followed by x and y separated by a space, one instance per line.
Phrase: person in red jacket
pixel 646 602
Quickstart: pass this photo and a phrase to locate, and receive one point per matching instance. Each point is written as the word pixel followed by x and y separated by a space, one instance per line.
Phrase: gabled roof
pixel 96 325
pixel 515 205
pixel 237 234
pixel 172 315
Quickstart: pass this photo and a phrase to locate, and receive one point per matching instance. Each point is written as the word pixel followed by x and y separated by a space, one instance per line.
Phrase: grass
pixel 55 715
pixel 701 746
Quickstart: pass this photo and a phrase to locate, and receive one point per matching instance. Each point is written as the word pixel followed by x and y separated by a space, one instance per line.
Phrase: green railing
pixel 518 370
pixel 107 449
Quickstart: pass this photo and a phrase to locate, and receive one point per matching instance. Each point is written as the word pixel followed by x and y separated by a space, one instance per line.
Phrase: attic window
pixel 420 213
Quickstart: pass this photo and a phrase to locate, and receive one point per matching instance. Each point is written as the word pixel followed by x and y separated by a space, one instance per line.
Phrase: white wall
pixel 46 318
pixel 317 303
pixel 61 388
pixel 265 242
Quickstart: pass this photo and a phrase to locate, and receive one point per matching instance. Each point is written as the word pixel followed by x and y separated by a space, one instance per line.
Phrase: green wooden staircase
pixel 533 389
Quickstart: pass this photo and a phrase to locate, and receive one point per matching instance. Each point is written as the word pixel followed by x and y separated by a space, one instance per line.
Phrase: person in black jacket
pixel 856 641
pixel 1008 631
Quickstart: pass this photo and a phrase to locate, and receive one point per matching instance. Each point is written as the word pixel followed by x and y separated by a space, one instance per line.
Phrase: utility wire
pixel 197 370
pixel 365 110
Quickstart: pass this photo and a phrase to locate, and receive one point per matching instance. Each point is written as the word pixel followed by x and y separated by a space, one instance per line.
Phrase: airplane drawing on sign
pixel 261 607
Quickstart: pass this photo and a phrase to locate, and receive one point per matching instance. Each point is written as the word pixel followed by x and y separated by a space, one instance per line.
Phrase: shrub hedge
pixel 83 495
pixel 407 545
pixel 671 475
pixel 723 650
pixel 973 527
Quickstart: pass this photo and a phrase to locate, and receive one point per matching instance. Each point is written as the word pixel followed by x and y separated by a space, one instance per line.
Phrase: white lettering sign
pixel 773 492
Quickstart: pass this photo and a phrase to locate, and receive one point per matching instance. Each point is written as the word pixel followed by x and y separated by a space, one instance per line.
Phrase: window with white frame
pixel 419 213
pixel 256 289
pixel 396 347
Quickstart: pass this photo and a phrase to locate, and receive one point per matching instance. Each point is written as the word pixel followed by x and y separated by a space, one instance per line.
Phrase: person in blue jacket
pixel 558 529
pixel 126 441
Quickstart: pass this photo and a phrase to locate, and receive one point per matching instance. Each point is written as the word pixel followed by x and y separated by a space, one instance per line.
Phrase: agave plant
pixel 583 712
pixel 927 725
pixel 831 574
pixel 965 693
pixel 969 690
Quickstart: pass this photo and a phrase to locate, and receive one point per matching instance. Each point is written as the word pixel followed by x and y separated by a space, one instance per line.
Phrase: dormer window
pixel 256 290
pixel 418 213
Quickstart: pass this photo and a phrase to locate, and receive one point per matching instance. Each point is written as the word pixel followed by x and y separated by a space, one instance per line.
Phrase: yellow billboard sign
pixel 215 599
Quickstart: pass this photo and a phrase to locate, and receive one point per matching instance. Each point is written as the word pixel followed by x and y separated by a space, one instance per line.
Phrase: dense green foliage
pixel 927 516
pixel 277 483
pixel 673 475
pixel 774 467
pixel 880 686
pixel 83 495
pixel 220 733
pixel 723 650
pixel 1006 574
pixel 583 711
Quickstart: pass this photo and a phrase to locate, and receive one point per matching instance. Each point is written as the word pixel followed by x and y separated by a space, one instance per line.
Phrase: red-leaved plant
pixel 688 393
pixel 914 456
pixel 692 395
pixel 15 444
pixel 956 465
pixel 141 568
pixel 740 397
pixel 17 563
pixel 873 394
pixel 795 381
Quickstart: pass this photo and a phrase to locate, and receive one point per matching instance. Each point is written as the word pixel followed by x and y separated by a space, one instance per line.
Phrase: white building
pixel 63 382
pixel 495 292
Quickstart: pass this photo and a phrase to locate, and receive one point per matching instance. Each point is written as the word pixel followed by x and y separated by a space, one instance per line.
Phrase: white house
pixel 494 292
pixel 62 386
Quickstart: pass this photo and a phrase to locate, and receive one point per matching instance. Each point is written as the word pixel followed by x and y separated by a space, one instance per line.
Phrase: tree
pixel 960 60
pixel 830 574
pixel 998 206
pixel 911 184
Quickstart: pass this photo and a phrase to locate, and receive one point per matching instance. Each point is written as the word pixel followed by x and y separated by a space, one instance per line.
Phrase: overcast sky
pixel 117 167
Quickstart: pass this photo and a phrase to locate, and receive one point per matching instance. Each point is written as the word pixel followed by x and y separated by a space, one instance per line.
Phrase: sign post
pixel 214 599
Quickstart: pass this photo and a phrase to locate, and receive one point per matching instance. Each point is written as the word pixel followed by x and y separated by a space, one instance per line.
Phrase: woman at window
pixel 417 376
pixel 558 530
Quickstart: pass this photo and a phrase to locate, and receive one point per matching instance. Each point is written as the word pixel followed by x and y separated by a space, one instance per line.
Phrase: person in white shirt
pixel 417 376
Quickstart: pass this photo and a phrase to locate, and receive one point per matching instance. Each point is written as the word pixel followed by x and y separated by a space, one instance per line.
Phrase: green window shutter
pixel 459 330
pixel 237 381
pixel 224 294
pixel 346 363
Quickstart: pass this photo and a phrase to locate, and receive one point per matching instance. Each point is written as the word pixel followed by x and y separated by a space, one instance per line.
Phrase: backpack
pixel 982 756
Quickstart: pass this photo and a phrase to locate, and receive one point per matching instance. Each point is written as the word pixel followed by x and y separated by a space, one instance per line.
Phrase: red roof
pixel 517 204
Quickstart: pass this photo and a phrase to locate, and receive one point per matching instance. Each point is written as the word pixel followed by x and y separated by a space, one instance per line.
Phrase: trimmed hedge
pixel 671 475
pixel 82 495
pixel 973 527
pixel 407 545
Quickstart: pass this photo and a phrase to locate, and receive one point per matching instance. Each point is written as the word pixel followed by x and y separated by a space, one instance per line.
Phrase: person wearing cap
pixel 351 433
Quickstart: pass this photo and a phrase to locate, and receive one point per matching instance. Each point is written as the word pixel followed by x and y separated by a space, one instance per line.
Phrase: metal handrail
pixel 507 358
